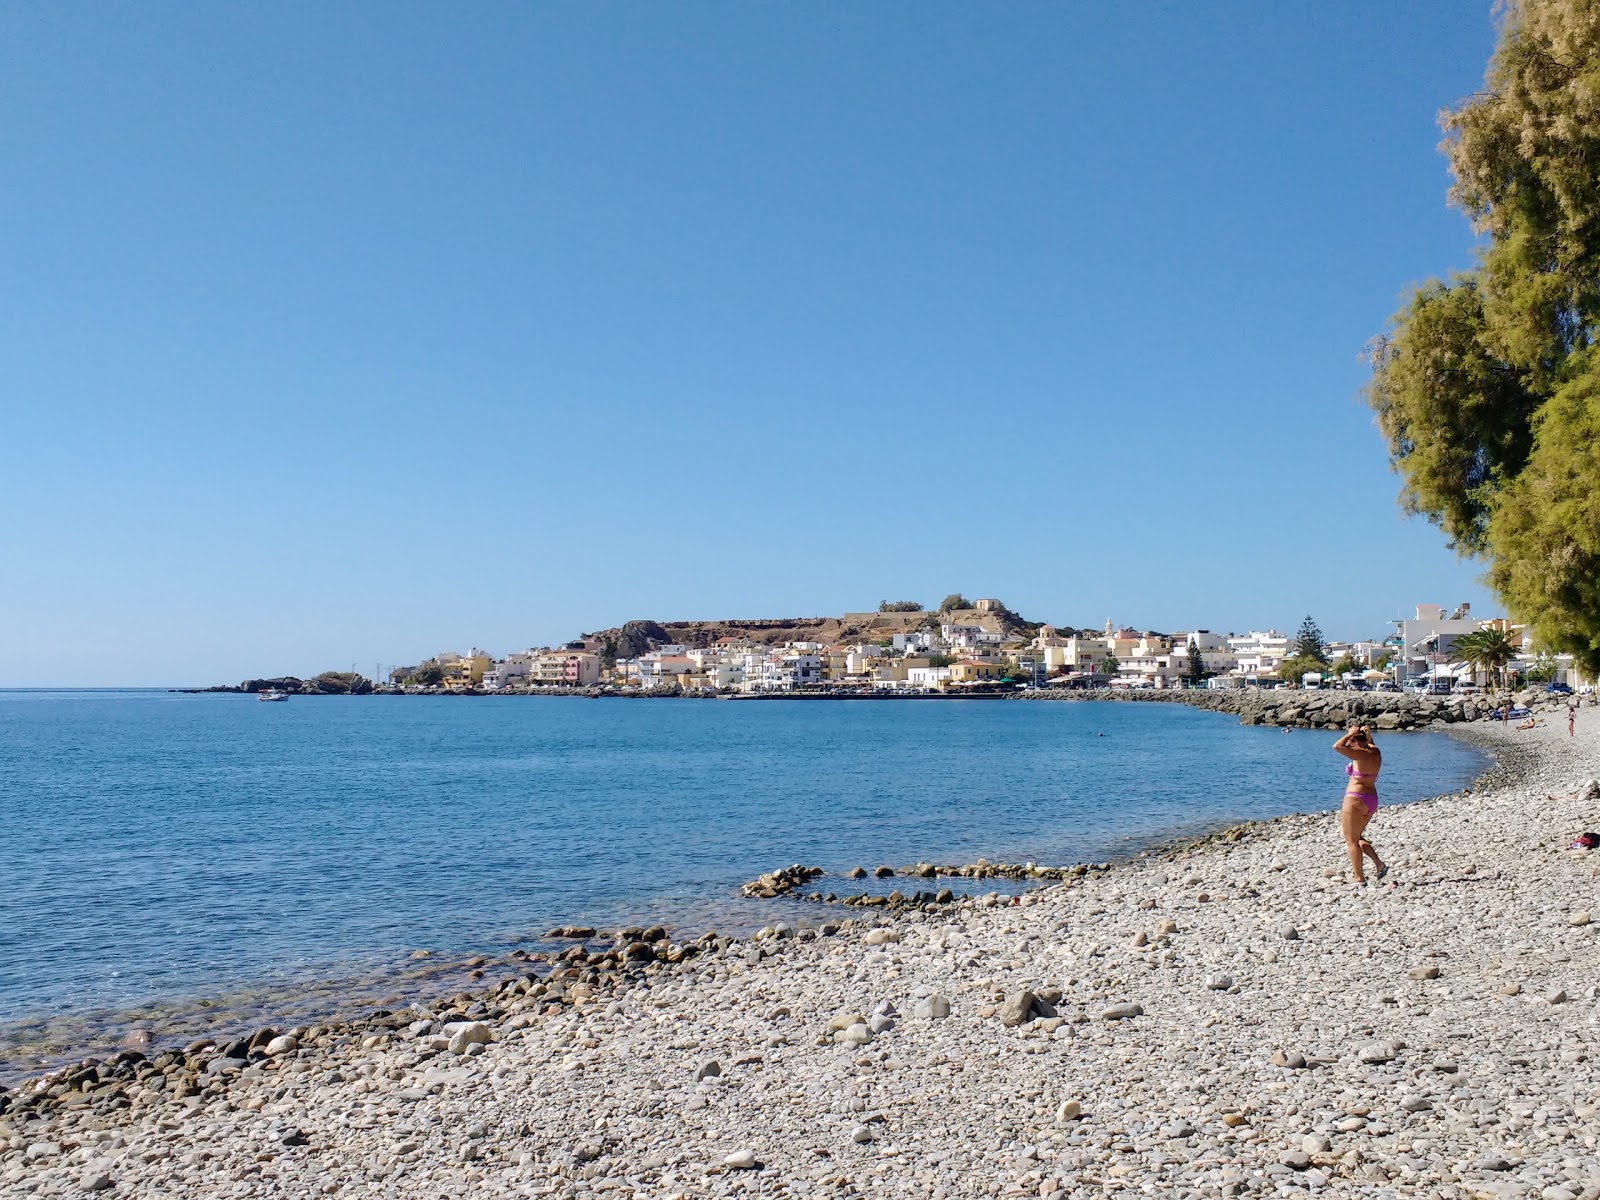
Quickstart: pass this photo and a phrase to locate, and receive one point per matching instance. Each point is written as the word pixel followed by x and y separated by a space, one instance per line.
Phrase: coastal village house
pixel 463 671
pixel 970 670
pixel 1257 654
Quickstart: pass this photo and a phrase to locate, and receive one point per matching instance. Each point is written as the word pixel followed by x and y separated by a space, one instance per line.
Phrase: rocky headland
pixel 1228 1018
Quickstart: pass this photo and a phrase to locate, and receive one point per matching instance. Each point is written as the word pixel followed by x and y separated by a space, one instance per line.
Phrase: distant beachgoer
pixel 1572 718
pixel 1360 798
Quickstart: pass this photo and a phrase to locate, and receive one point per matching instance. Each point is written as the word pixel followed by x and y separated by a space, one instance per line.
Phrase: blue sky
pixel 343 334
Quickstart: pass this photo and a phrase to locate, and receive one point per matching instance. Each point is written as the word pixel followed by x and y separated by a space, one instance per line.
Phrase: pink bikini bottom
pixel 1370 799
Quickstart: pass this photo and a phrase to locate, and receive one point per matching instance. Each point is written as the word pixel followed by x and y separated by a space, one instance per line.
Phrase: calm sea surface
pixel 157 849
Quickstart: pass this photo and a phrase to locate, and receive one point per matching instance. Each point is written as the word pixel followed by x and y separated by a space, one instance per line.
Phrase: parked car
pixel 1386 686
pixel 1559 689
pixel 1425 687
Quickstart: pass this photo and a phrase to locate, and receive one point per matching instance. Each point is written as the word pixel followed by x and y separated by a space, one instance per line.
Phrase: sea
pixel 180 863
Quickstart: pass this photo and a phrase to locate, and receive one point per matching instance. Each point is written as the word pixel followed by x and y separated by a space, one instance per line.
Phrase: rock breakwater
pixel 1326 708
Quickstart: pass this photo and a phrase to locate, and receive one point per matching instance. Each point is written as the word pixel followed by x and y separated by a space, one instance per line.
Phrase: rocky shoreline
pixel 1329 708
pixel 1289 707
pixel 1220 1019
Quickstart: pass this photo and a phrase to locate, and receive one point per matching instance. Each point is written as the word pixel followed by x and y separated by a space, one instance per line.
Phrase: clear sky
pixel 345 334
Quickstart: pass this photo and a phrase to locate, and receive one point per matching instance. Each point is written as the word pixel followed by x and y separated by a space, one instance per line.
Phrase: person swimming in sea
pixel 1360 798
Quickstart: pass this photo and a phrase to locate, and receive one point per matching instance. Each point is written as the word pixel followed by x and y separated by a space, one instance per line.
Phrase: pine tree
pixel 1308 642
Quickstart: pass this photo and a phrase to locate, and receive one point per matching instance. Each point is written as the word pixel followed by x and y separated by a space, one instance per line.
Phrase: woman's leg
pixel 1353 818
pixel 1366 848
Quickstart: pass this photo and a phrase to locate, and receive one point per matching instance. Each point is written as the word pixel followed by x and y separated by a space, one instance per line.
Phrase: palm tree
pixel 1487 649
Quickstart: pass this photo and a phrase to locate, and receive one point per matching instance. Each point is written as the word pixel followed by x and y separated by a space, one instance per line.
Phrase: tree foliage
pixel 1344 666
pixel 1196 664
pixel 1545 538
pixel 1309 643
pixel 1542 670
pixel 1486 387
pixel 1487 649
pixel 899 606
pixel 952 602
pixel 1295 667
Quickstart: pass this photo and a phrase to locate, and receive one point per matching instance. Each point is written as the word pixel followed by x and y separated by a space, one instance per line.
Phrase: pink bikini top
pixel 1350 770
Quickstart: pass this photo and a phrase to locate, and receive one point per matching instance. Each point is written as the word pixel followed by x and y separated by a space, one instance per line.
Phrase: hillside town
pixel 982 646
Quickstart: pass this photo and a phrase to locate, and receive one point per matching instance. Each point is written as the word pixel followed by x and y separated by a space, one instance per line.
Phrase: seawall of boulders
pixel 1328 708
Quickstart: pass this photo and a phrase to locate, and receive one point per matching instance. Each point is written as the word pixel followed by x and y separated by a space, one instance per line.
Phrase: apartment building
pixel 1258 652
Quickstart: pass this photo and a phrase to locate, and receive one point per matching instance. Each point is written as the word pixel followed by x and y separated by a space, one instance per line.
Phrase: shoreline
pixel 1315 708
pixel 335 994
pixel 1237 952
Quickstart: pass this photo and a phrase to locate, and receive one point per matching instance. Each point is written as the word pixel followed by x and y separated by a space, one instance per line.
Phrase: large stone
pixel 464 1034
pixel 1374 1053
pixel 931 1008
pixel 1017 1008
pixel 1122 1012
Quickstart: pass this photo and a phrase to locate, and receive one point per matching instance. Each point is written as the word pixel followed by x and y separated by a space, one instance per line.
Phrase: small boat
pixel 272 694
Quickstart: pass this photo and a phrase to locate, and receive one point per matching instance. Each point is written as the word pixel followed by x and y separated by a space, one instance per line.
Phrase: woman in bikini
pixel 1360 798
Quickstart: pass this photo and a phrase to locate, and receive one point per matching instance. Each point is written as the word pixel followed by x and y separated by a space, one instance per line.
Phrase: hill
pixel 640 637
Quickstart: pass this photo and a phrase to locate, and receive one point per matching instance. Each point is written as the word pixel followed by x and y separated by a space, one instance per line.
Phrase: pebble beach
pixel 1234 1017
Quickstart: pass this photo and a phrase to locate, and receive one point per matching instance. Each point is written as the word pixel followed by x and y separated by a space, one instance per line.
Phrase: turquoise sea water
pixel 158 848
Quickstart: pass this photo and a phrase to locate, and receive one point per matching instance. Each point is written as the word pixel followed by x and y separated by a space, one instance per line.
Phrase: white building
pixel 860 660
pixel 1426 640
pixel 781 670
pixel 661 669
pixel 960 636
pixel 926 679
pixel 513 670
pixel 1258 653
pixel 1215 652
